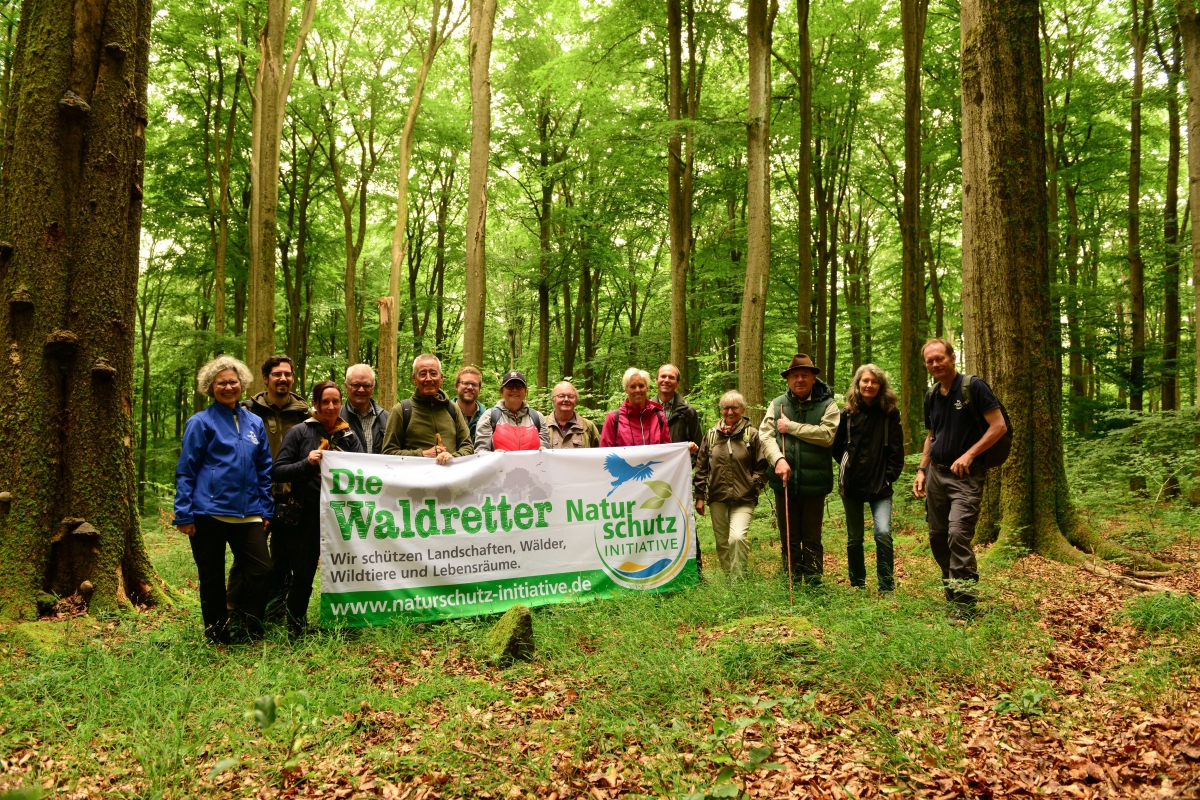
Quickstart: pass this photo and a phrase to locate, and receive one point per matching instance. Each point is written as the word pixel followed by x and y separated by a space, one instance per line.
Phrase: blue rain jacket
pixel 223 472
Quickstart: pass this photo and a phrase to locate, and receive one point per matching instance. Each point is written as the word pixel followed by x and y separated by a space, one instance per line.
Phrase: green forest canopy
pixel 586 84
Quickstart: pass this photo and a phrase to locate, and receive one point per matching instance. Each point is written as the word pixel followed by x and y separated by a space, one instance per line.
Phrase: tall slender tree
pixel 1170 57
pixel 760 19
pixel 479 58
pixel 1139 34
pixel 272 83
pixel 913 16
pixel 441 24
pixel 1189 29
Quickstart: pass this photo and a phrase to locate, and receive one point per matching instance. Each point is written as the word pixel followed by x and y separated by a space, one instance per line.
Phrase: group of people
pixel 248 475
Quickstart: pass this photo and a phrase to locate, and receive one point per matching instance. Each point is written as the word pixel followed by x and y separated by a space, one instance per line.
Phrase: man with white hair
pixel 428 424
pixel 367 418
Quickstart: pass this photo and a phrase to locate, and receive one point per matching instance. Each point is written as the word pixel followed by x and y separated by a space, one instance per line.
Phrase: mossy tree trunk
pixel 70 223
pixel 1007 311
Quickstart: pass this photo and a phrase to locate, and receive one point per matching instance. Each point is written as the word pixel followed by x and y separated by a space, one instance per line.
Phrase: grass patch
pixel 140 705
pixel 1164 612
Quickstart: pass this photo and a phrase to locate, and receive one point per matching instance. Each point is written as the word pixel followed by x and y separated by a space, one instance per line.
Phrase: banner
pixel 404 538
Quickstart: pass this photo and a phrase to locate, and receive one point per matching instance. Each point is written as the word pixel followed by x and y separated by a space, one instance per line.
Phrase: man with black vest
pixel 797 436
pixel 950 478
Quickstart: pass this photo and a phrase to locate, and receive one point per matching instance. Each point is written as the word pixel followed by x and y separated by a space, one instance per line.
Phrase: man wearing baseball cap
pixel 511 424
pixel 797 435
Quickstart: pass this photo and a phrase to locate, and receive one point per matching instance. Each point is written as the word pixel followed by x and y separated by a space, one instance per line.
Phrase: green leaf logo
pixel 660 488
pixel 653 502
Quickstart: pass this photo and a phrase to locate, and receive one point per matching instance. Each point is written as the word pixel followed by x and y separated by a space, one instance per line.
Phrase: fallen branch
pixel 1132 583
pixel 1148 574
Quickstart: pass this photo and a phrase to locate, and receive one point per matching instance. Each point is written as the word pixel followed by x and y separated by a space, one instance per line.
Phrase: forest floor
pixel 1067 685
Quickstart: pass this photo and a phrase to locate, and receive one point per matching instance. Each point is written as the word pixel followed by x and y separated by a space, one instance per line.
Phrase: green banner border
pixel 389 605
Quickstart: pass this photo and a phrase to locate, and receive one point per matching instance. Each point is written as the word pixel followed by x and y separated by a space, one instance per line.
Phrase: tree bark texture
pixel 70 222
pixel 272 82
pixel 913 16
pixel 760 18
pixel 1007 316
pixel 479 57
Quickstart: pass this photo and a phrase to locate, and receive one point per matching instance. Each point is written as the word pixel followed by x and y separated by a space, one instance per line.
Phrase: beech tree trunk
pixel 913 16
pixel 272 82
pixel 1006 281
pixel 804 327
pixel 1138 36
pixel 479 57
pixel 1172 65
pixel 1189 29
pixel 676 225
pixel 70 224
pixel 760 18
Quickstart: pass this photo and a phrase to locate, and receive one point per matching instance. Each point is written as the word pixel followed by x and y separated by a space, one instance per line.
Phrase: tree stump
pixel 512 637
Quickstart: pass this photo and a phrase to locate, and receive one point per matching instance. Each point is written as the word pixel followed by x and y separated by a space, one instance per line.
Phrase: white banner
pixel 404 538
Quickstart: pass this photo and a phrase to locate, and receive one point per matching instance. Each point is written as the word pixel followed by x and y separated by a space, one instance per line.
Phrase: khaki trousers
pixel 731 527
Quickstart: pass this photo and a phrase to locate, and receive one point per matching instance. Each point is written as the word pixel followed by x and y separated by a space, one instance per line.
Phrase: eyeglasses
pixel 564 397
pixel 469 384
pixel 278 375
pixel 228 384
pixel 428 373
pixel 361 385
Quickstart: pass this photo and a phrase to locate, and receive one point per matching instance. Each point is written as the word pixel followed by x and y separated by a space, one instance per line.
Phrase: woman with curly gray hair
pixel 223 495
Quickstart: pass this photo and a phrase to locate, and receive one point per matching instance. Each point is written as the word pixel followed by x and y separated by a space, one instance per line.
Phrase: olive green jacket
pixel 430 416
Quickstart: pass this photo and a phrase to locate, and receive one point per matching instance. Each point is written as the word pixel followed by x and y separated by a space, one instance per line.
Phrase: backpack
pixel 406 408
pixel 998 453
pixel 534 415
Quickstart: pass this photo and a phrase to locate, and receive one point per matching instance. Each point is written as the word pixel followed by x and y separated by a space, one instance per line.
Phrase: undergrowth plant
pixel 1163 612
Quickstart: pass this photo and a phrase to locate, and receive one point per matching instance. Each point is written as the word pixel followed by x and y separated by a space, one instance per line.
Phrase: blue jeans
pixel 881 511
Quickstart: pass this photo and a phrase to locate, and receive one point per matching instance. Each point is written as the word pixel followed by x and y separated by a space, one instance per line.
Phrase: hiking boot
pixel 962 614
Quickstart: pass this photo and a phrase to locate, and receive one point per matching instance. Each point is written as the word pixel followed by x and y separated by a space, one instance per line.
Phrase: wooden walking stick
pixel 787 523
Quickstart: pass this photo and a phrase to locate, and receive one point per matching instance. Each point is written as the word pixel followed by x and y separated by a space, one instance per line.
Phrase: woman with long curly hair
pixel 869 450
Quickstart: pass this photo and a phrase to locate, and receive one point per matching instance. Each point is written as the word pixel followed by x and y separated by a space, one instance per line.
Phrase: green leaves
pixel 662 492
pixel 262 713
pixel 729 747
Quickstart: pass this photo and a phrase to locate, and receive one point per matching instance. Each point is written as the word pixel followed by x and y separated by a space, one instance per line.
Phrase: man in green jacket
pixel 797 434
pixel 279 408
pixel 429 424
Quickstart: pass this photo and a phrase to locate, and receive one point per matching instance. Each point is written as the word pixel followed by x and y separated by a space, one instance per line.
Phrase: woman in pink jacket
pixel 639 420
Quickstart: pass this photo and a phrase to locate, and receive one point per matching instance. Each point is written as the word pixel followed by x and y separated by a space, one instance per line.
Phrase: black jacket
pixel 292 462
pixel 377 428
pixel 683 421
pixel 871 467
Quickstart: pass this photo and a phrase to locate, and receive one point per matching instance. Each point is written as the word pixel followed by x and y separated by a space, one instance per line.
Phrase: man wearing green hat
pixel 797 435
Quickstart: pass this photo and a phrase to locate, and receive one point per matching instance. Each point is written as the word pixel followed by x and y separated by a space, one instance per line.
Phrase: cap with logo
pixel 512 377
